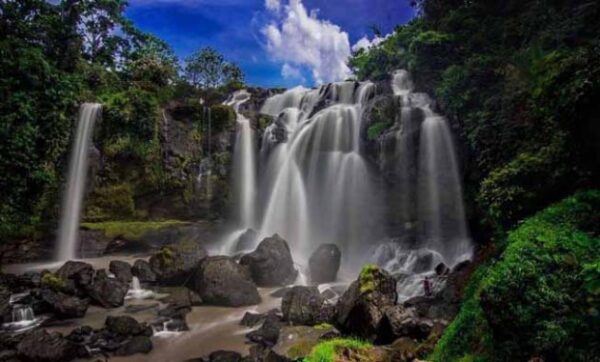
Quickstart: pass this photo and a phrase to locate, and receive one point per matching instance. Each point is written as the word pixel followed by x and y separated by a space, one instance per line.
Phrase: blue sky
pixel 275 42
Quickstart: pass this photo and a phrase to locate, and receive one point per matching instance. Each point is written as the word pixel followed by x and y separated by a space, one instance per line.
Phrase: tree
pixel 208 68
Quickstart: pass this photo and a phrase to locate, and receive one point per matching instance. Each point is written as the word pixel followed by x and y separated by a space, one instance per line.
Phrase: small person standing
pixel 427 286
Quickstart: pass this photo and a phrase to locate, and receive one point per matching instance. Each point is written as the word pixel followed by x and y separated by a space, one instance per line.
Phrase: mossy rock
pixel 53 281
pixel 110 202
pixel 132 230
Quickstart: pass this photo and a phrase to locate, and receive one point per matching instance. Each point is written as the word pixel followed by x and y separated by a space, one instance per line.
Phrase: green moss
pixel 53 281
pixel 540 298
pixel 110 202
pixel 323 326
pixel 376 129
pixel 300 349
pixel 131 230
pixel 165 256
pixel 328 351
pixel 368 279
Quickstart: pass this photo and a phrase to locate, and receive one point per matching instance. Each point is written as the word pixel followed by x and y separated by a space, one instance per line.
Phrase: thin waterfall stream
pixel 76 181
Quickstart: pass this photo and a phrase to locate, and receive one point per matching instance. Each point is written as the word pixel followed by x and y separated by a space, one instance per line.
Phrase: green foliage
pixel 208 68
pixel 223 118
pixel 517 79
pixel 110 202
pixel 540 298
pixel 327 351
pixel 53 281
pixel 130 230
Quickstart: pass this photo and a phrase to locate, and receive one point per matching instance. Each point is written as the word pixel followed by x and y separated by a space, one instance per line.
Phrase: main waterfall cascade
pixel 315 185
pixel 76 182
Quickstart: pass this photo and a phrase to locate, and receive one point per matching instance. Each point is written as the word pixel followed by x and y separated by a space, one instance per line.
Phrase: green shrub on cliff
pixel 540 299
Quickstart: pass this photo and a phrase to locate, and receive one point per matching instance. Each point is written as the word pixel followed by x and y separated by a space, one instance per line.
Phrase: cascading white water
pixel 137 292
pixel 76 181
pixel 22 314
pixel 315 184
pixel 435 188
pixel 244 163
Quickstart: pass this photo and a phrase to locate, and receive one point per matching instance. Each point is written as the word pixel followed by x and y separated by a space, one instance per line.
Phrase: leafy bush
pixel 540 298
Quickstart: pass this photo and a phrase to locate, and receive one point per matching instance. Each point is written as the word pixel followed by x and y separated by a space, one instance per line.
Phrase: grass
pixel 328 351
pixel 131 230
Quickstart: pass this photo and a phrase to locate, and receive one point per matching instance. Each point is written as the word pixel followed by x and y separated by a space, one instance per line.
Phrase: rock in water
pixel 219 280
pixel 40 345
pixel 324 264
pixel 142 270
pixel 174 264
pixel 296 342
pixel 124 326
pixel 362 306
pixel 64 306
pixel 302 305
pixel 271 263
pixel 76 274
pixel 137 344
pixel 107 292
pixel 225 356
pixel 121 270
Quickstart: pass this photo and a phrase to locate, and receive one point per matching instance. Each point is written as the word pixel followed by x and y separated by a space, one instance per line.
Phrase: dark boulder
pixel 174 264
pixel 62 305
pixel 441 269
pixel 324 264
pixel 137 344
pixel 142 270
pixel 268 334
pixel 424 262
pixel 42 346
pixel 362 306
pixel 107 292
pixel 219 280
pixel 253 319
pixel 125 326
pixel 121 270
pixel 279 292
pixel 246 241
pixel 224 356
pixel 271 263
pixel 76 275
pixel 398 322
pixel 302 305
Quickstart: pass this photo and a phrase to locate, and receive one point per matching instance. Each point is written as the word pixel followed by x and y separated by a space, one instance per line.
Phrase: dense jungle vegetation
pixel 55 56
pixel 520 81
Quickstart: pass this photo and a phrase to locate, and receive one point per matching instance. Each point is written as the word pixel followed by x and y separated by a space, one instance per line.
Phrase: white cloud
pixel 292 73
pixel 366 44
pixel 302 40
pixel 273 5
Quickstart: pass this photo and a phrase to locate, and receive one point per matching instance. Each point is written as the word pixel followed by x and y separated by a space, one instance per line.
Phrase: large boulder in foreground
pixel 296 342
pixel 40 345
pixel 219 280
pixel 362 306
pixel 324 264
pixel 302 305
pixel 398 322
pixel 174 264
pixel 271 264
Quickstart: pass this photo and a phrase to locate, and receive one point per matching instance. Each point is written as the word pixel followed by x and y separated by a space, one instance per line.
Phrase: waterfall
pixel 137 292
pixel 244 163
pixel 315 184
pixel 22 314
pixel 436 188
pixel 76 180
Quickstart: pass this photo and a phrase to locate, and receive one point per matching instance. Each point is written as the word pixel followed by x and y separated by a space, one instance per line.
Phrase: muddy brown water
pixel 211 328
